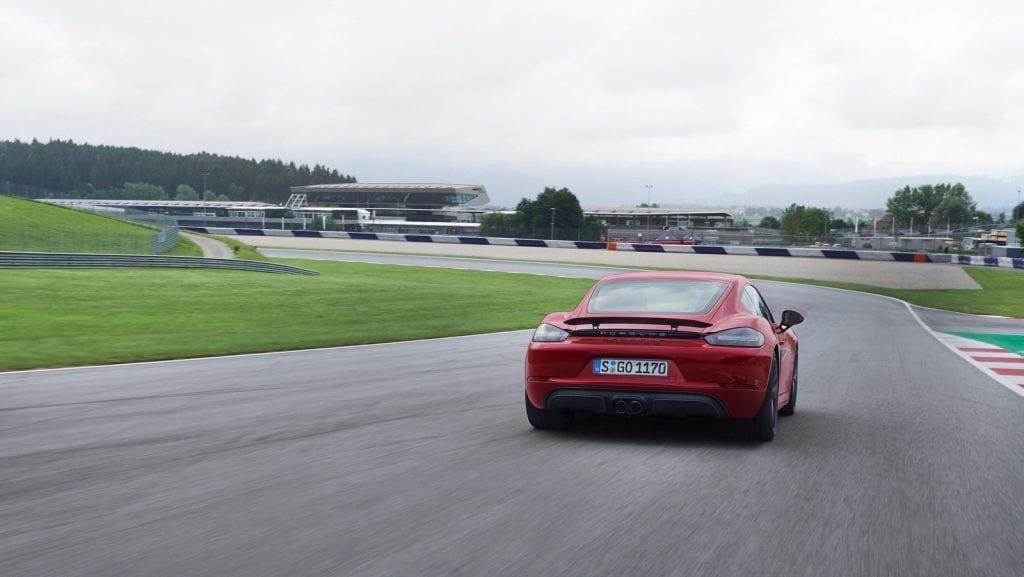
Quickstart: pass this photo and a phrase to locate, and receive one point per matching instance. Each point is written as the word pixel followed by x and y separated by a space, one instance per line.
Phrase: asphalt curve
pixel 416 459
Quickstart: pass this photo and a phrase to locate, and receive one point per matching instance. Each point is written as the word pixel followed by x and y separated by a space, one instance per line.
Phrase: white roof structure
pixel 394 195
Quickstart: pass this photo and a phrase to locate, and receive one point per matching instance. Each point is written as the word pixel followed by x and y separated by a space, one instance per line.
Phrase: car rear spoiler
pixel 672 322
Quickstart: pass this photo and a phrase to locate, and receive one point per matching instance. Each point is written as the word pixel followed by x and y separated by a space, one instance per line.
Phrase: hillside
pixel 19 213
pixel 27 225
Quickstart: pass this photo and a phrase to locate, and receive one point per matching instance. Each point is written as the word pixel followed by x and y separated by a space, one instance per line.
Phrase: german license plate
pixel 633 367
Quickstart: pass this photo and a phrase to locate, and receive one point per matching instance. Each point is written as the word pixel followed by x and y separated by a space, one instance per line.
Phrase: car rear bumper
pixel 687 399
pixel 636 403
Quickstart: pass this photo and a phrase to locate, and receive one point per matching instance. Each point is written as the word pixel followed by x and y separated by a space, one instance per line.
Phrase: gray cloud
pixel 594 95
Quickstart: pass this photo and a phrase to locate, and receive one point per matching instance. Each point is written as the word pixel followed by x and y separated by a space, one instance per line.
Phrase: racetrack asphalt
pixel 887 274
pixel 416 459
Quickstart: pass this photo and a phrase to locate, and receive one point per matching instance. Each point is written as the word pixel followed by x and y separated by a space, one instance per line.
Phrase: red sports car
pixel 666 344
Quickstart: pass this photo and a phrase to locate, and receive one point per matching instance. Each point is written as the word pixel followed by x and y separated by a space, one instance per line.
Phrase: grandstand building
pixel 453 209
pixel 398 207
pixel 656 217
pixel 447 209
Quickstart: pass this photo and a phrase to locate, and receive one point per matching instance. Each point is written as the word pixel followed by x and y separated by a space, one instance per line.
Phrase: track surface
pixel 416 459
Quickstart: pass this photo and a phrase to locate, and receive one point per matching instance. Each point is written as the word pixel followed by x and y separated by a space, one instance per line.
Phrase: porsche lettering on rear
pixel 638 342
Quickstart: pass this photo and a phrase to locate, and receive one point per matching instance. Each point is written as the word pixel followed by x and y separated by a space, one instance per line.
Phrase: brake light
pixel 546 333
pixel 738 337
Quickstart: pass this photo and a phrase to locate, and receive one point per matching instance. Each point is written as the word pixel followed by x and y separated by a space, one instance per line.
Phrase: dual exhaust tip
pixel 630 407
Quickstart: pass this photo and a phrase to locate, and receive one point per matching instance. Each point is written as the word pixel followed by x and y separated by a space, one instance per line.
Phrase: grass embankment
pixel 241 250
pixel 1001 293
pixel 28 225
pixel 185 247
pixel 75 317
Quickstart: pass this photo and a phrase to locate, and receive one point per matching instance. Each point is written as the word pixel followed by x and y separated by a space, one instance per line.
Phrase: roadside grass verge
pixel 54 318
pixel 1001 293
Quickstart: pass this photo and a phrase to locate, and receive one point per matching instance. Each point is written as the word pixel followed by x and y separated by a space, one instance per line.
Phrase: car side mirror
pixel 790 319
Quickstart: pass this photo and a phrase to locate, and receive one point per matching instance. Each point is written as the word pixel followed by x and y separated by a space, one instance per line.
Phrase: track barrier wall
pixel 86 260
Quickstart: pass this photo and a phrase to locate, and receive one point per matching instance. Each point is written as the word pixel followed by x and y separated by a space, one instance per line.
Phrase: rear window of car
pixel 680 297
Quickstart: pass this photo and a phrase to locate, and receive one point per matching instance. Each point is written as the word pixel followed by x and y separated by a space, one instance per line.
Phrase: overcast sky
pixel 698 98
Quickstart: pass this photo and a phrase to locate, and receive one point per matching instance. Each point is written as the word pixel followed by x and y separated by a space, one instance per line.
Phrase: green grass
pixel 185 247
pixel 1001 293
pixel 31 226
pixel 27 225
pixel 74 317
pixel 21 213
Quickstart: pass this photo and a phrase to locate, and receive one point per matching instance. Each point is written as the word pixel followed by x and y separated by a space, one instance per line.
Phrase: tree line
pixel 554 214
pixel 928 207
pixel 97 171
pixel 933 204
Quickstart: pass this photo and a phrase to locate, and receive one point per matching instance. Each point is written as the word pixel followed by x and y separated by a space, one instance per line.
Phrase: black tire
pixel 762 426
pixel 546 419
pixel 790 407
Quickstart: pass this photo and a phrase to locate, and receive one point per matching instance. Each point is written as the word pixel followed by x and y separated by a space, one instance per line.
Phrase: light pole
pixel 552 223
pixel 202 197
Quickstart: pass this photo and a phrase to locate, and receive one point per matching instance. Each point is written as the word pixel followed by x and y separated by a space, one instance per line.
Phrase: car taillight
pixel 546 333
pixel 738 337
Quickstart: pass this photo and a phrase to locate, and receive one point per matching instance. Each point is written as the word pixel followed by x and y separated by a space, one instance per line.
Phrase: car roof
pixel 677 275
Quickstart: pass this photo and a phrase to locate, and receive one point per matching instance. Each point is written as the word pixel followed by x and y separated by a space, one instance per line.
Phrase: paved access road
pixel 211 247
pixel 416 459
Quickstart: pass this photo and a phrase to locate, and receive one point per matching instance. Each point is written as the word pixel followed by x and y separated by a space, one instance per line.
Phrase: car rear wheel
pixel 790 407
pixel 762 426
pixel 547 419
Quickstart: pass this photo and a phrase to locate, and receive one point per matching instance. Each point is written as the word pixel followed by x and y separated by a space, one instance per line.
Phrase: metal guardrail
pixel 86 260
